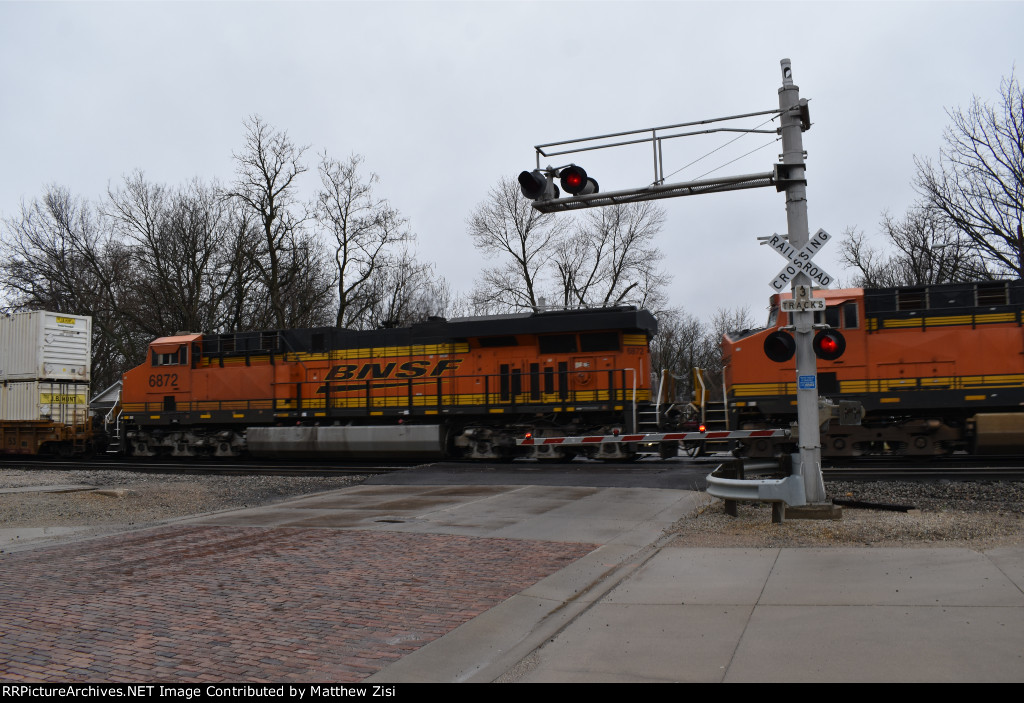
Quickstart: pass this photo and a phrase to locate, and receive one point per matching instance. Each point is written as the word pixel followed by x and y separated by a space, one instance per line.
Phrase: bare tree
pixel 176 240
pixel 611 257
pixel 731 320
pixel 364 231
pixel 927 249
pixel 404 291
pixel 507 228
pixel 266 176
pixel 60 255
pixel 978 181
pixel 682 343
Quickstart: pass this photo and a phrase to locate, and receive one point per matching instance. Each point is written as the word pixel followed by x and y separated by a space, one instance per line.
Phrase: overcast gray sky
pixel 444 98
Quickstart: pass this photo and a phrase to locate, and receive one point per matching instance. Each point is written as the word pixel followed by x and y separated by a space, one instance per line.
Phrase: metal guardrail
pixel 789 490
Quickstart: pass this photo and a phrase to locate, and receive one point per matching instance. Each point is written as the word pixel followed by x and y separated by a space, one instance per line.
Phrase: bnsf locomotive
pixel 937 369
pixel 466 387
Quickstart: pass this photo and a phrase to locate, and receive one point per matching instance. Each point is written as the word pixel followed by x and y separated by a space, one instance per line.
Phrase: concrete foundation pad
pixel 814 511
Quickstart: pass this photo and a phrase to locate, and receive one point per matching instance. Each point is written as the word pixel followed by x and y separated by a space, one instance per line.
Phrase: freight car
pixel 461 388
pixel 44 384
pixel 937 369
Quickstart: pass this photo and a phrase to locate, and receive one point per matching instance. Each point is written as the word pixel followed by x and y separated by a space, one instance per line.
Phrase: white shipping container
pixel 45 345
pixel 33 401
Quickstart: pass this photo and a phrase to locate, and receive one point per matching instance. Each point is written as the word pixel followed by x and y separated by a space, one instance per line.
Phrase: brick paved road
pixel 224 604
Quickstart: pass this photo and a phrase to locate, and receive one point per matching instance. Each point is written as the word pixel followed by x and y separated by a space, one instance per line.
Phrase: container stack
pixel 45 359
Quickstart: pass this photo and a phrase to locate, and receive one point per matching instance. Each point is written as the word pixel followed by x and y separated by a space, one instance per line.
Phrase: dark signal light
pixel 576 182
pixel 829 344
pixel 779 346
pixel 536 186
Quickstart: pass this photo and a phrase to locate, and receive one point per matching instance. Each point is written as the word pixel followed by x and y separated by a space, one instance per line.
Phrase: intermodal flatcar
pixel 937 369
pixel 463 388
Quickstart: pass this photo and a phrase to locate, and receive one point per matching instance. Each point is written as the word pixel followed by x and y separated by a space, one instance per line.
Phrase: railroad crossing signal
pixel 540 185
pixel 780 346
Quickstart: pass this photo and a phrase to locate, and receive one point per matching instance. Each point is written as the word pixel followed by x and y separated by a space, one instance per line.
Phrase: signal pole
pixel 805 485
pixel 793 168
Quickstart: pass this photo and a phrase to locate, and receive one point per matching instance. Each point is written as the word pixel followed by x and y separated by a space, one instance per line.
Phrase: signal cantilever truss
pixel 657 192
pixel 658 188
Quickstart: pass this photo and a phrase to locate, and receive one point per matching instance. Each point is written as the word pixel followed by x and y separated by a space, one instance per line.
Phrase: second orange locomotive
pixel 937 369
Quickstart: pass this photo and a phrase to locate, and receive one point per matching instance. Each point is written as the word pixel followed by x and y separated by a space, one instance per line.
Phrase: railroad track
pixel 276 468
pixel 925 473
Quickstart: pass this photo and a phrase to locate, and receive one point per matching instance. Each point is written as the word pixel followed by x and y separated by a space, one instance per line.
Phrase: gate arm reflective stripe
pixel 663 437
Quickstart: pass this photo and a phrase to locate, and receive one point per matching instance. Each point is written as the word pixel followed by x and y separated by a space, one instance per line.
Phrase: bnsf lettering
pixel 409 369
pixel 412 369
pixel 375 371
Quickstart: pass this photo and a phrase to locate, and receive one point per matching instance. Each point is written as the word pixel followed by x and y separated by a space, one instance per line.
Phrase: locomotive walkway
pixel 506 582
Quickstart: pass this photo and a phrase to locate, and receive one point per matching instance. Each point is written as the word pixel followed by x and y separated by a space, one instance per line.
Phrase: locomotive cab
pixel 165 379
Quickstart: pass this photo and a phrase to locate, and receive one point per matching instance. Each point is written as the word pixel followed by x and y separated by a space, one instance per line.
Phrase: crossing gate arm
pixel 649 438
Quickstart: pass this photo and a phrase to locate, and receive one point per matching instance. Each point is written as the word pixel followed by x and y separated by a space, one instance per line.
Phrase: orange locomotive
pixel 465 387
pixel 937 368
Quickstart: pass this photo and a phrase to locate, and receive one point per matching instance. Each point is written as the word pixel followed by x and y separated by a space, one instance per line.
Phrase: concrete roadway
pixel 580 586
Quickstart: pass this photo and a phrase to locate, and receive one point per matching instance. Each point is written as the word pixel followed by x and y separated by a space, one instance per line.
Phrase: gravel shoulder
pixel 974 514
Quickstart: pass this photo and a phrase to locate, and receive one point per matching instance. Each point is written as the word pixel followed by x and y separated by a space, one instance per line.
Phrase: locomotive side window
pixel 557 344
pixel 177 357
pixel 832 316
pixel 846 313
pixel 850 320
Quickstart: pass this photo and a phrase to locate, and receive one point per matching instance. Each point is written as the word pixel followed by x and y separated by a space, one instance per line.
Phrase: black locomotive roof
pixel 946 296
pixel 438 331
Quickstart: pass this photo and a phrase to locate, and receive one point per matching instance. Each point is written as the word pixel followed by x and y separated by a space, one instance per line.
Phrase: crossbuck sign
pixel 801 260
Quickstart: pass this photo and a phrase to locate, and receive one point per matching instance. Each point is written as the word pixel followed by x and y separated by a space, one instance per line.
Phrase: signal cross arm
pixel 661 437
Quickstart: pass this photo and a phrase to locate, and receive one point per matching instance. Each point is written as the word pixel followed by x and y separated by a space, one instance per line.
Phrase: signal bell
pixel 829 344
pixel 575 181
pixel 779 346
pixel 536 186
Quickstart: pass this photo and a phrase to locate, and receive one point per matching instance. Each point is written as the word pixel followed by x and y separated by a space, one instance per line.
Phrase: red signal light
pixel 829 345
pixel 574 181
pixel 702 428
